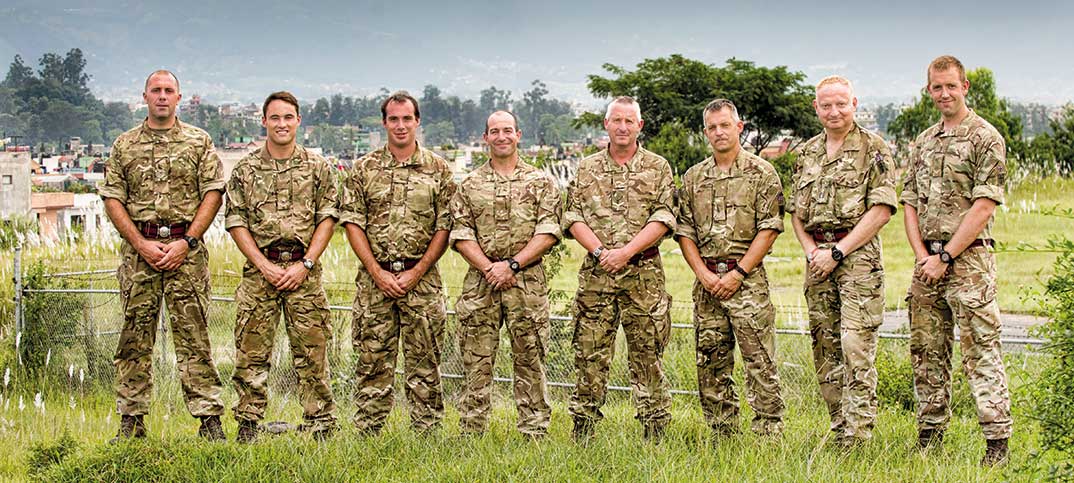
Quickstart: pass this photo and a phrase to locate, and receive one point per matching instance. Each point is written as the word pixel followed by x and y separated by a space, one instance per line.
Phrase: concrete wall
pixel 14 184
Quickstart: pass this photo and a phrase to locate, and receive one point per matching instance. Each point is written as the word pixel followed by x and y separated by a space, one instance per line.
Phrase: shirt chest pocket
pixel 420 197
pixel 850 190
pixel 741 211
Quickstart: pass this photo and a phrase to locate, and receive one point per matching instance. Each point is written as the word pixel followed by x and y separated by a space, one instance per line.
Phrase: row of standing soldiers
pixel 401 210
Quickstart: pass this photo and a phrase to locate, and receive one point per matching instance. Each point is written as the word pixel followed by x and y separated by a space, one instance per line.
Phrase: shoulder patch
pixel 878 159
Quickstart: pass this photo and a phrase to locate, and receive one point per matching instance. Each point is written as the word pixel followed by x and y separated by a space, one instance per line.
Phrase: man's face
pixel 401 124
pixel 948 91
pixel 835 105
pixel 502 135
pixel 722 130
pixel 281 122
pixel 623 125
pixel 161 95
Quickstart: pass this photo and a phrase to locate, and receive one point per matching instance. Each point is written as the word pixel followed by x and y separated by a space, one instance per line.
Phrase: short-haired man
pixel 162 190
pixel 955 180
pixel 730 213
pixel 281 211
pixel 842 194
pixel 395 210
pixel 620 205
pixel 506 216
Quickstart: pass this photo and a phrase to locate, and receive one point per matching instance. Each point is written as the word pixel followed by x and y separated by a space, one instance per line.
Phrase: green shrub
pixel 44 455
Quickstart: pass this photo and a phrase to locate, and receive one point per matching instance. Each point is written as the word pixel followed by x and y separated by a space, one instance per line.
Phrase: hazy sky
pixel 241 51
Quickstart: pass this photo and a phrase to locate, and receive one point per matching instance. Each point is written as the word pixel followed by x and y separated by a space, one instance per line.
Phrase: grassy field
pixel 172 454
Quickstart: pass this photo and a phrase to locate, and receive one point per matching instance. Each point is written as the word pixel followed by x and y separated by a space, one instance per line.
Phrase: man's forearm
pixel 913 231
pixel 473 254
pixel 692 255
pixel 321 236
pixel 437 247
pixel 759 247
pixel 973 223
pixel 360 244
pixel 804 238
pixel 210 204
pixel 245 241
pixel 122 221
pixel 534 249
pixel 649 235
pixel 867 228
pixel 585 236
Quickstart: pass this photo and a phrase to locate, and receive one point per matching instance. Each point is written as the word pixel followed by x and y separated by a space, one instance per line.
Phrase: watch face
pixel 514 265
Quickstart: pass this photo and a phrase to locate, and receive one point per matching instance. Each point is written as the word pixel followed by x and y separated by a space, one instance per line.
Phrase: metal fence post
pixel 18 288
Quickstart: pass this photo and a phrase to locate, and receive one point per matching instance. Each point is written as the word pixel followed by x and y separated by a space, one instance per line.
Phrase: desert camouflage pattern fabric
pixel 162 175
pixel 749 319
pixel 616 202
pixel 308 325
pixel 186 294
pixel 847 307
pixel 948 171
pixel 834 193
pixel 722 212
pixel 400 204
pixel 282 201
pixel 502 214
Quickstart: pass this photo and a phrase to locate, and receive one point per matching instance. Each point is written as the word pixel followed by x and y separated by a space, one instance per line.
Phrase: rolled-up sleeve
pixel 210 170
pixel 549 204
pixel 990 175
pixel 235 213
pixel 352 205
pixel 115 179
pixel 327 195
pixel 463 227
pixel 881 190
pixel 685 224
pixel 664 205
pixel 770 205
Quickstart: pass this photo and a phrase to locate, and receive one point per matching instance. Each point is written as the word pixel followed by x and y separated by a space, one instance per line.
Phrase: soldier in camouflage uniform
pixel 620 205
pixel 395 210
pixel 281 210
pixel 730 213
pixel 843 193
pixel 162 189
pixel 506 217
pixel 954 182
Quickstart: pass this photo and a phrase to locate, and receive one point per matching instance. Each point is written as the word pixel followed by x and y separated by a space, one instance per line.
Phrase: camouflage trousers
pixel 749 318
pixel 524 310
pixel 845 310
pixel 966 296
pixel 634 297
pixel 186 293
pixel 308 324
pixel 380 322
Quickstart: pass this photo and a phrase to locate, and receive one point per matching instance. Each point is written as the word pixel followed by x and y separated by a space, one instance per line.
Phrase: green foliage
pixel 1053 152
pixel 676 89
pixel 56 103
pixel 1053 392
pixel 15 229
pixel 683 147
pixel 48 454
pixel 895 377
pixel 784 165
pixel 46 316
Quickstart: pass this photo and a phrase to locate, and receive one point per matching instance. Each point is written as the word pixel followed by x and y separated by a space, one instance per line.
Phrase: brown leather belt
pixel 396 266
pixel 828 236
pixel 155 230
pixel 284 253
pixel 935 246
pixel 645 255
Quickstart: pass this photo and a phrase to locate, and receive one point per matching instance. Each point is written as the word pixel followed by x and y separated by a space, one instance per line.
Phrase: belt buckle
pixel 829 236
pixel 164 232
pixel 721 267
pixel 937 246
pixel 285 256
pixel 397 266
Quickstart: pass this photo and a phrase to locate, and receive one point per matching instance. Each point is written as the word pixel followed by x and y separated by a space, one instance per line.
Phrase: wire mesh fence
pixel 72 324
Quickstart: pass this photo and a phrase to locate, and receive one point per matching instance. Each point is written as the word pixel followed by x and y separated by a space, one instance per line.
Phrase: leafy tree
pixel 681 146
pixel 676 89
pixel 18 74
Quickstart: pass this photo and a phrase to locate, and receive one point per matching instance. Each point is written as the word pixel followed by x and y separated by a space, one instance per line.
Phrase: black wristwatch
pixel 515 267
pixel 946 257
pixel 596 252
pixel 191 242
pixel 837 254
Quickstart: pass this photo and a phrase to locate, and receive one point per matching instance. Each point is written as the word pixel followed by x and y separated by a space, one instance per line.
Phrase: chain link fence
pixel 71 325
